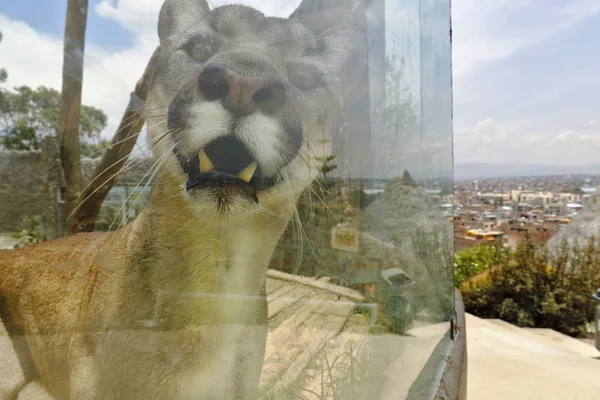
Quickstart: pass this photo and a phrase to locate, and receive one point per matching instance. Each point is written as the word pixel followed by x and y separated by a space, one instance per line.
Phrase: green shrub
pixel 33 231
pixel 535 289
pixel 108 219
pixel 474 260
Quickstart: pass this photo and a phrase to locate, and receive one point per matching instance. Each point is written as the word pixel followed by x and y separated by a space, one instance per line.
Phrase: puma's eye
pixel 200 52
pixel 200 49
pixel 304 77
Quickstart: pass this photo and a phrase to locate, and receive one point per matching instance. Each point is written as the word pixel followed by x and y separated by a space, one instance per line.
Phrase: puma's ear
pixel 321 15
pixel 344 49
pixel 339 28
pixel 176 16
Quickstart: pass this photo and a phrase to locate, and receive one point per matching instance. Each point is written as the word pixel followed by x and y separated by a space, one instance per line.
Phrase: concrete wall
pixel 29 181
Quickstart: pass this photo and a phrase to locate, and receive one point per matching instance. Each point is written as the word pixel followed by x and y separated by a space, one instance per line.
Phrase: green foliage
pixel 319 208
pixel 27 115
pixel 327 164
pixel 577 191
pixel 109 219
pixel 472 261
pixel 32 232
pixel 408 180
pixel 110 216
pixel 94 149
pixel 535 288
pixel 21 136
pixel 402 213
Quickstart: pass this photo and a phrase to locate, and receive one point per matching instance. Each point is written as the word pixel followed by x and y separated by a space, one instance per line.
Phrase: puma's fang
pixel 206 165
pixel 247 173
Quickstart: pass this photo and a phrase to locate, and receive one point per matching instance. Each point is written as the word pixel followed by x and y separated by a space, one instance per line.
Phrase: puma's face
pixel 243 104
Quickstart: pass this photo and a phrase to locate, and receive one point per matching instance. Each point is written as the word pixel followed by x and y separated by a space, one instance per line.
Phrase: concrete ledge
pixel 454 379
pixel 444 376
pixel 507 362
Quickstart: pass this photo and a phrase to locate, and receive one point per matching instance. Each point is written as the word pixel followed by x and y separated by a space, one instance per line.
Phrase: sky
pixel 524 72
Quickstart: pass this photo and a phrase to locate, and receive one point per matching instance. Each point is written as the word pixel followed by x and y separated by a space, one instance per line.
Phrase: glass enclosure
pixel 272 219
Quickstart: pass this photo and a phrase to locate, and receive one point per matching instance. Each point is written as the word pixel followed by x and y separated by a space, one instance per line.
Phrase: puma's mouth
pixel 226 162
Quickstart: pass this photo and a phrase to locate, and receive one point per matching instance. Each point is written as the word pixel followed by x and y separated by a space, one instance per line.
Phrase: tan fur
pixel 172 306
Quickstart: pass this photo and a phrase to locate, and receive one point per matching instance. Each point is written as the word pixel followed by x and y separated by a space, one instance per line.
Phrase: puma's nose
pixel 241 94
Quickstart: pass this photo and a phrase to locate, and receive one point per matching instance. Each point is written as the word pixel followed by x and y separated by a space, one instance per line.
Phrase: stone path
pixel 507 362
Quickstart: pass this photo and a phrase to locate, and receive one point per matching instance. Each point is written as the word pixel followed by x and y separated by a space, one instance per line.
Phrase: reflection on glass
pixel 284 233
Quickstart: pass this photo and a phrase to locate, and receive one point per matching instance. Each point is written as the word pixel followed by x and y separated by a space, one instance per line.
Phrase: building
pixel 555 209
pixel 474 237
pixel 570 197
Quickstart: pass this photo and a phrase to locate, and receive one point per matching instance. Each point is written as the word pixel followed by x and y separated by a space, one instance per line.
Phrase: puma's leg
pixel 34 390
pixel 12 375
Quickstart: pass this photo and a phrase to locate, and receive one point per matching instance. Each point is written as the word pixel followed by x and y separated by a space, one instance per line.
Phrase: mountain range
pixel 505 170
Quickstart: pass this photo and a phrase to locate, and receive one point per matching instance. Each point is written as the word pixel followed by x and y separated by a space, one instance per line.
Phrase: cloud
pixel 589 137
pixel 21 45
pixel 565 135
pixel 33 58
pixel 484 31
pixel 522 140
pixel 532 139
pixel 137 16
pixel 491 141
pixel 140 16
pixel 526 63
pixel 484 131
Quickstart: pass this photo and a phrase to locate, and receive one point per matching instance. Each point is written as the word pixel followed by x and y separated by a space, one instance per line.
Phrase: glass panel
pixel 280 229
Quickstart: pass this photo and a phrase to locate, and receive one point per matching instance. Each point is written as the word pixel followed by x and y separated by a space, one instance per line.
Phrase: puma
pixel 173 306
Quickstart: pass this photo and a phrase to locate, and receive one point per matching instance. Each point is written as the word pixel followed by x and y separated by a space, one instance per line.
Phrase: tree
pixel 82 204
pixel 26 115
pixel 116 155
pixel 474 260
pixel 94 149
pixel 408 180
pixel 534 288
pixel 29 114
pixel 70 105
